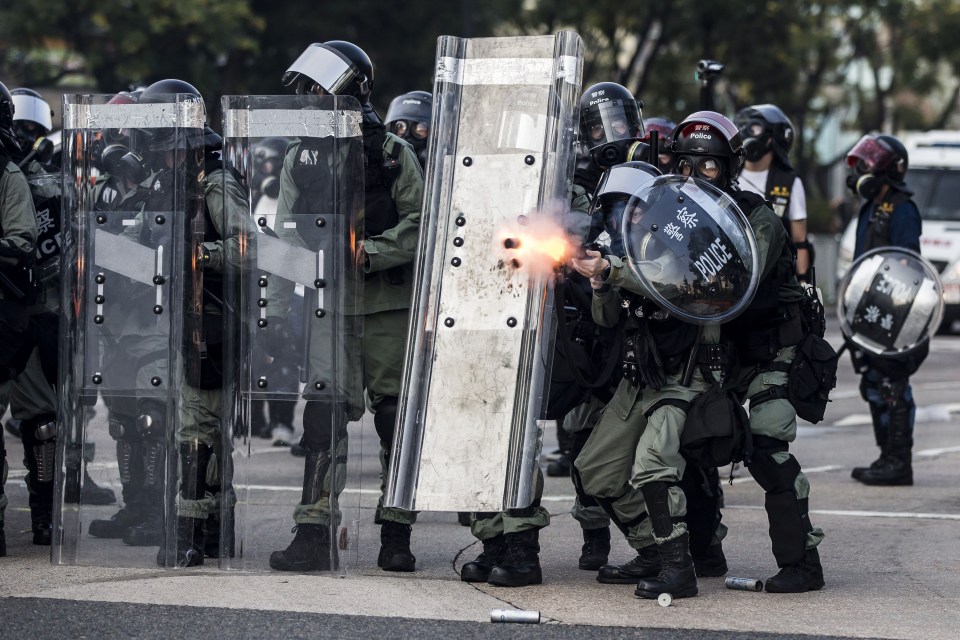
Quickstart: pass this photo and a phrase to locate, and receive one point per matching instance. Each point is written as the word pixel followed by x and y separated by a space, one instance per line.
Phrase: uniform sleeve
pixel 771 238
pixel 223 194
pixel 906 226
pixel 19 241
pixel 398 245
pixel 607 307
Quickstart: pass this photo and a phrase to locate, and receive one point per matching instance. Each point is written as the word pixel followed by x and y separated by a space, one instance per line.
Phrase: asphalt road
pixel 891 556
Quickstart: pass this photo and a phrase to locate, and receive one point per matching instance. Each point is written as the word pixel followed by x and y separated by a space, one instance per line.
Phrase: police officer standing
pixel 887 217
pixel 767 136
pixel 393 183
pixel 17 251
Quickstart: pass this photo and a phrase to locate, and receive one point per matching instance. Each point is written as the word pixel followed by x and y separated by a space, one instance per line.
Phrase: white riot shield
pixel 477 362
pixel 890 302
pixel 130 321
pixel 294 327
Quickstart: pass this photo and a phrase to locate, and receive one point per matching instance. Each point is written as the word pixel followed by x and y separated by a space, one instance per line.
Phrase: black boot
pixel 148 532
pixel 711 563
pixel 895 467
pixel 493 553
pixel 39 452
pixel 596 548
pixel 560 467
pixel 189 544
pixel 130 463
pixel 521 564
pixel 395 554
pixel 645 565
pixel 677 575
pixel 94 494
pixel 880 436
pixel 463 518
pixel 309 551
pixel 806 575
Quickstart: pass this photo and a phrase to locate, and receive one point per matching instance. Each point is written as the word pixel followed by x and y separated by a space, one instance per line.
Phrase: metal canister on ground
pixel 744 584
pixel 665 599
pixel 515 615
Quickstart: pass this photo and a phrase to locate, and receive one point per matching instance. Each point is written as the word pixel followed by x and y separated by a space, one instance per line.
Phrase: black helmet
pixel 763 126
pixel 163 91
pixel 6 107
pixel 166 91
pixel 709 134
pixel 339 68
pixel 877 159
pixel 409 108
pixel 610 123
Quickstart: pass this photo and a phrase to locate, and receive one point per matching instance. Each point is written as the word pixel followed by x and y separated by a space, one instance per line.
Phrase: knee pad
pixel 151 419
pixel 318 426
pixel 385 421
pixel 772 476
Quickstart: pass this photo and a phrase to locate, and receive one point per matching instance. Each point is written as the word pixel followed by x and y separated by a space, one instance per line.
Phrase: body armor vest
pixel 878 231
pixel 779 191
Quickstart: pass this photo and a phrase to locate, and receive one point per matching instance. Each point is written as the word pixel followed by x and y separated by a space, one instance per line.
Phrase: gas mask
pixel 867 186
pixel 756 141
pixel 618 152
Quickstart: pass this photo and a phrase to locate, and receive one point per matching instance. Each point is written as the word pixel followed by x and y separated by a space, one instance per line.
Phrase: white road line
pixel 931 453
pixel 865 514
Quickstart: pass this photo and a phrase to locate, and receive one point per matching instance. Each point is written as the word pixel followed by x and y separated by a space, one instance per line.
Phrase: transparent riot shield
pixel 890 302
pixel 293 329
pixel 691 248
pixel 130 321
pixel 501 159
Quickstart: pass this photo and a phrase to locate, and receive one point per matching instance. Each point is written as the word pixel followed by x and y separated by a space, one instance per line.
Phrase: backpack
pixel 717 430
pixel 813 374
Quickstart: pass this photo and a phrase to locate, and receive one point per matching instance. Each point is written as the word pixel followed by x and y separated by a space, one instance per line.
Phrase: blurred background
pixel 836 68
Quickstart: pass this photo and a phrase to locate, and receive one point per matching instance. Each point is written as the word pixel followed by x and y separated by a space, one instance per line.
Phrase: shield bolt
pixel 456 262
pixel 319 313
pixel 529 159
pixel 97 378
pixel 319 283
pixel 158 309
pixel 449 322
pixel 98 319
pixel 511 322
pixel 100 278
pixel 320 386
pixel 159 219
pixel 159 279
pixel 262 322
pixel 155 381
pixel 262 221
pixel 98 299
pixel 101 219
pixel 654 227
pixel 458 241
pixel 680 198
pixel 461 221
pixel 321 222
pixel 262 282
pixel 262 383
pixel 467 161
pixel 261 302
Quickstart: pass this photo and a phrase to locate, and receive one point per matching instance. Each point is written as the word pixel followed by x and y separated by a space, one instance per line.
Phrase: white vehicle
pixel 934 178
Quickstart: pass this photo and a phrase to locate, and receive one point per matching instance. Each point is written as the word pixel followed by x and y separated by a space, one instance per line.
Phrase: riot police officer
pixel 707 145
pixel 17 252
pixel 887 217
pixel 409 118
pixel 393 193
pixel 767 135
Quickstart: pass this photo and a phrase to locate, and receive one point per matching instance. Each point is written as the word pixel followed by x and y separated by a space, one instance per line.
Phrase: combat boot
pixel 645 565
pixel 896 467
pixel 880 436
pixel 39 455
pixel 806 575
pixel 395 554
pixel 559 468
pixel 521 564
pixel 189 544
pixel 41 523
pixel 596 548
pixel 493 553
pixel 711 563
pixel 677 575
pixel 117 524
pixel 94 494
pixel 309 551
pixel 148 531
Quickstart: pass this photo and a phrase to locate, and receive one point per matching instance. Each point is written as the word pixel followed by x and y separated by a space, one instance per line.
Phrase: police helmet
pixel 763 123
pixel 337 67
pixel 30 107
pixel 409 115
pixel 610 123
pixel 705 136
pixel 881 156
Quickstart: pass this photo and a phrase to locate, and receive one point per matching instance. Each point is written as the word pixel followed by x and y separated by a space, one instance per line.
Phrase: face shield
pixel 32 109
pixel 325 70
pixel 611 121
pixel 870 155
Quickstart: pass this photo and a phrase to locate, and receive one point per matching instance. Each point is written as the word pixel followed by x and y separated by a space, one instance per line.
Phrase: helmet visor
pixel 406 108
pixel 324 66
pixel 611 121
pixel 33 109
pixel 869 155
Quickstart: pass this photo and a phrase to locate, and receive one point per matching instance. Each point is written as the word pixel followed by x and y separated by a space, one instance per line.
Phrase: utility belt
pixel 651 369
pixel 761 345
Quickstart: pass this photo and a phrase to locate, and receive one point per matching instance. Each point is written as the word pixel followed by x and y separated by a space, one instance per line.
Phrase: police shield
pixel 691 248
pixel 295 301
pixel 478 349
pixel 130 320
pixel 891 302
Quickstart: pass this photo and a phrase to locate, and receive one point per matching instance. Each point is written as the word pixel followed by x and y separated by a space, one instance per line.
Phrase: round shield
pixel 890 302
pixel 692 249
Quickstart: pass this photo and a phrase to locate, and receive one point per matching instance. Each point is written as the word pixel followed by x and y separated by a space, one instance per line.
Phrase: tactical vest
pixel 673 337
pixel 878 230
pixel 779 187
pixel 380 171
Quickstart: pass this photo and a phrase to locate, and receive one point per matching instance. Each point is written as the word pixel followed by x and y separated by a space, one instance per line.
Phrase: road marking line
pixel 930 453
pixel 865 514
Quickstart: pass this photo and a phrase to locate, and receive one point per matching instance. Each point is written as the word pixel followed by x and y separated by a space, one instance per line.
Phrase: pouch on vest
pixel 813 374
pixel 717 430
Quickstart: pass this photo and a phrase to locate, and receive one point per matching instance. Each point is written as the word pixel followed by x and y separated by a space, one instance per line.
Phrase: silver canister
pixel 515 615
pixel 665 599
pixel 744 584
